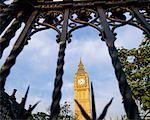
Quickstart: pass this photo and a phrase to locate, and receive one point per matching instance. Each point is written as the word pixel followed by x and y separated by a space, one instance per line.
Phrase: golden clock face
pixel 81 81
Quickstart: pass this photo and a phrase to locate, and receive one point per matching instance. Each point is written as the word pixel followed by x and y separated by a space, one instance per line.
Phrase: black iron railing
pixel 65 17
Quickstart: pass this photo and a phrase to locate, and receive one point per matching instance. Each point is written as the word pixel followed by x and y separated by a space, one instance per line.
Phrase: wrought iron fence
pixel 65 17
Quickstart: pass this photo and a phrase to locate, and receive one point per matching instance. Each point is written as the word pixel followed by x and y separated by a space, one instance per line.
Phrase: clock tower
pixel 81 91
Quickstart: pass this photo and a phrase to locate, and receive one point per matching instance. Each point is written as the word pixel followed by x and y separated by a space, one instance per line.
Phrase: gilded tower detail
pixel 81 91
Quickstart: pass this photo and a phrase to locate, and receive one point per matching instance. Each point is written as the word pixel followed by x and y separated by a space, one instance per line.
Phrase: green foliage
pixel 65 114
pixel 39 116
pixel 136 64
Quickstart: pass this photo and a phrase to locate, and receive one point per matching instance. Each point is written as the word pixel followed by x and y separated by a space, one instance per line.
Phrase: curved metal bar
pixel 50 26
pixel 117 26
pixel 42 25
pixel 139 26
pixel 35 31
pixel 74 29
pixel 10 33
pixel 121 20
pixel 131 22
pixel 91 23
pixel 47 26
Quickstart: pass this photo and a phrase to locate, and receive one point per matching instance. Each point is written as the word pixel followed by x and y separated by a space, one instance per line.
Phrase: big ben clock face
pixel 81 82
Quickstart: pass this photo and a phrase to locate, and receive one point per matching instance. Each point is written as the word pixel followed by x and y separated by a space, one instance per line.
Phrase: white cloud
pixel 104 91
pixel 9 1
pixel 40 53
pixel 129 37
pixel 41 107
pixel 68 85
pixel 93 53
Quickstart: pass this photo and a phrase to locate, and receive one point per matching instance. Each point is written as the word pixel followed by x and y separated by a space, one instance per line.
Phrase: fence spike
pixel 86 116
pixel 105 110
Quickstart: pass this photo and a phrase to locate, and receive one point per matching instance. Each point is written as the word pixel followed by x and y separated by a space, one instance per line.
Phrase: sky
pixel 36 66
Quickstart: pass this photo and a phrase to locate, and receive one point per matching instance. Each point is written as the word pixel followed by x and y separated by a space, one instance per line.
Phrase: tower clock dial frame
pixel 81 81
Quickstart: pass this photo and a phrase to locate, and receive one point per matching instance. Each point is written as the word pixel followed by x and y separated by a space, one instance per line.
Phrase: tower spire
pixel 81 60
pixel 80 67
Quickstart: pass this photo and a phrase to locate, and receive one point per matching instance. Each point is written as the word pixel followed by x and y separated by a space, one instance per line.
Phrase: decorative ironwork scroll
pixel 120 16
pixel 65 17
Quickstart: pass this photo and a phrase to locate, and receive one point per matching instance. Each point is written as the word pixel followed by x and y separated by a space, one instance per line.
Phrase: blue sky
pixel 36 67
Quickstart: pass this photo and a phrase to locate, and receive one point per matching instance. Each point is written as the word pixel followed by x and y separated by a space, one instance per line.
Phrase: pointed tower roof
pixel 81 67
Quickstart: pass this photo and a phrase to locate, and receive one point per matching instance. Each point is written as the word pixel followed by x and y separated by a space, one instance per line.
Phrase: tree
pixel 65 113
pixel 39 116
pixel 136 64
